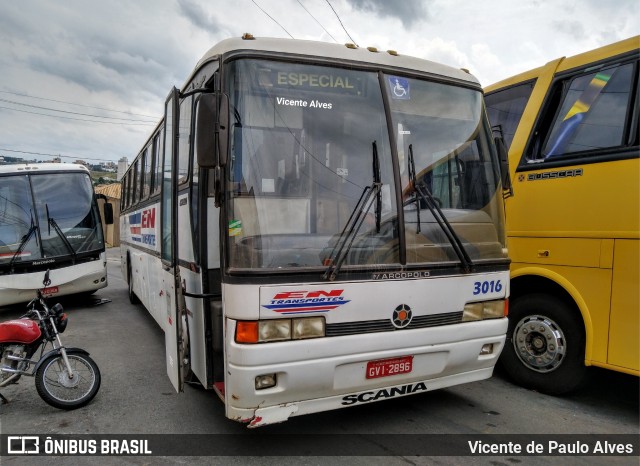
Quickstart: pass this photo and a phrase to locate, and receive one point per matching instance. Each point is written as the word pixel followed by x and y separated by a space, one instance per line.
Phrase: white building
pixel 123 164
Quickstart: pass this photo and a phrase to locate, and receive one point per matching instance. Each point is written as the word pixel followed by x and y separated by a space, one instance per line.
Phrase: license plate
pixel 389 367
pixel 51 290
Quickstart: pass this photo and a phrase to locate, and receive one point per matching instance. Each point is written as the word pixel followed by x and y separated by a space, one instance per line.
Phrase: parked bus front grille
pixel 385 325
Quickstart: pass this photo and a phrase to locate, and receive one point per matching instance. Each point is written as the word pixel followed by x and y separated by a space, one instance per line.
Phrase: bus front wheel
pixel 545 345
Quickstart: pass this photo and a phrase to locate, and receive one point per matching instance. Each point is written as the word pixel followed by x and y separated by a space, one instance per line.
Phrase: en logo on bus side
pixel 142 226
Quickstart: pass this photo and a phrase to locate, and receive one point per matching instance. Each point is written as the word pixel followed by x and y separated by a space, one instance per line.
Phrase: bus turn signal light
pixel 247 332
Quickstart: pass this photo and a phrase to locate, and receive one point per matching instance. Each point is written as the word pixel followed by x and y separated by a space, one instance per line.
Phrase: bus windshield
pixel 444 128
pixel 47 216
pixel 308 142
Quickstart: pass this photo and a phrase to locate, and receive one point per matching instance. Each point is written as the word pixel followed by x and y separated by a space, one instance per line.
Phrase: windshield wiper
pixel 370 194
pixel 52 223
pixel 25 240
pixel 423 192
pixel 413 181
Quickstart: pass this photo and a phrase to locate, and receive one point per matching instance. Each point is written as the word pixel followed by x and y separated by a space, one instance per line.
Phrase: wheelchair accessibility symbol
pixel 399 87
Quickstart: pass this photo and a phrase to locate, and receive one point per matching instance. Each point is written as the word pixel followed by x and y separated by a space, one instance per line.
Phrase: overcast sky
pixel 118 59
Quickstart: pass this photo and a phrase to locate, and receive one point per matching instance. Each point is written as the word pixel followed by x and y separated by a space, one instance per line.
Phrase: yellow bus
pixel 571 130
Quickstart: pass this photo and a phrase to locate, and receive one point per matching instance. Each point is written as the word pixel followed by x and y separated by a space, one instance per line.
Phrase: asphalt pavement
pixel 136 397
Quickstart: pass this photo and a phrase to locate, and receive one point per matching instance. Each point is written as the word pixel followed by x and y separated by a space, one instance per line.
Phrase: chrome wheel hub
pixel 539 343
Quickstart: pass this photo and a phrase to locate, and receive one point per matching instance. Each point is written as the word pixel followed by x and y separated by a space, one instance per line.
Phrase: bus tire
pixel 133 299
pixel 545 345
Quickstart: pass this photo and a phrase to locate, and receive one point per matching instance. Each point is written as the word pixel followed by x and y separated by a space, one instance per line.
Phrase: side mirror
pixel 503 156
pixel 206 117
pixel 108 213
pixel 212 130
pixel 108 209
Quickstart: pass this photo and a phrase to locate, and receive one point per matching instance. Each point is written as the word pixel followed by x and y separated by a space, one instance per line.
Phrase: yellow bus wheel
pixel 545 344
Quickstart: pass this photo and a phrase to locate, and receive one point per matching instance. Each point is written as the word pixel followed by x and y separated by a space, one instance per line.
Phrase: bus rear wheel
pixel 545 345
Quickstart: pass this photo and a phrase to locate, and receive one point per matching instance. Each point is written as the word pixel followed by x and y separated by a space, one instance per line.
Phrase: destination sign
pixel 318 82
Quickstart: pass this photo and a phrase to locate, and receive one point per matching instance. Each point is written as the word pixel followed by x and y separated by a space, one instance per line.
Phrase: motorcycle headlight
pixel 56 309
pixel 61 322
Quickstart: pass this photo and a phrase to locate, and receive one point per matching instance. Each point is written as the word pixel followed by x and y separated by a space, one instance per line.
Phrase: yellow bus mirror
pixel 503 156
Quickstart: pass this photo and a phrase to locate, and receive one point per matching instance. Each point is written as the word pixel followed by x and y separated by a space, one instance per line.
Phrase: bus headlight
pixel 264 331
pixel 485 310
pixel 274 330
pixel 310 327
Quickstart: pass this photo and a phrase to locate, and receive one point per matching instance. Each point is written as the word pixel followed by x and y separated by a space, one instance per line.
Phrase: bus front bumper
pixel 330 373
pixel 81 278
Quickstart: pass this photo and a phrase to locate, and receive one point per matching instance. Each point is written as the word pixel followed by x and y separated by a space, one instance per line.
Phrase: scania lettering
pixel 321 217
pixel 383 394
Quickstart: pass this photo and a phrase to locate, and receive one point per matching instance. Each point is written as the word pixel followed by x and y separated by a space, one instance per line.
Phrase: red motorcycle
pixel 66 378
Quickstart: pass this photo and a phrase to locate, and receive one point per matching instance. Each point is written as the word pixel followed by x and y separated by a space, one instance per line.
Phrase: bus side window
pixel 130 187
pixel 135 189
pixel 592 113
pixel 146 179
pixel 123 197
pixel 141 160
pixel 156 182
pixel 505 109
pixel 184 138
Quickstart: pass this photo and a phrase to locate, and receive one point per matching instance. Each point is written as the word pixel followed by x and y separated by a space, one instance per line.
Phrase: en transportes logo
pixel 142 226
pixel 303 301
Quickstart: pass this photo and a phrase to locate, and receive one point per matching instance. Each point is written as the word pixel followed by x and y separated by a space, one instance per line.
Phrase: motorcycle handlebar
pixel 31 313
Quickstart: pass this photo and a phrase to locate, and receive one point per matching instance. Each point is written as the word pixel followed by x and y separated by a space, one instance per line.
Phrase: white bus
pixel 316 226
pixel 49 220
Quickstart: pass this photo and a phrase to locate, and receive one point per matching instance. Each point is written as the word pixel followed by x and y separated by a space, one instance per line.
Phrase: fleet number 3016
pixel 492 286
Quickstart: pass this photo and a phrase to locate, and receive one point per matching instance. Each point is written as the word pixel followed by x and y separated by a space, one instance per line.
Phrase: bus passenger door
pixel 171 290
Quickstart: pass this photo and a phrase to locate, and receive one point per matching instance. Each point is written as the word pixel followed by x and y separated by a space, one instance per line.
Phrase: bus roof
pixel 565 63
pixel 339 52
pixel 41 167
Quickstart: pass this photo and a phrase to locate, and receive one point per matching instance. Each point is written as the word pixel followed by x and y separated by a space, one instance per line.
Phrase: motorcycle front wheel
pixel 61 391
